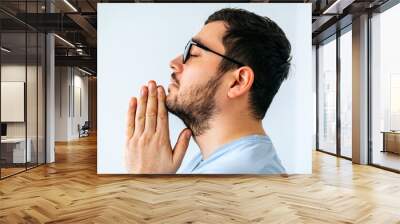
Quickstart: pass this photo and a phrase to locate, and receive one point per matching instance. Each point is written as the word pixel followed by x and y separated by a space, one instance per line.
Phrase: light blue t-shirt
pixel 253 154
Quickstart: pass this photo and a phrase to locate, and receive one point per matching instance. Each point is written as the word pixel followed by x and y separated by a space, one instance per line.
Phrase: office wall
pixel 71 102
pixel 62 80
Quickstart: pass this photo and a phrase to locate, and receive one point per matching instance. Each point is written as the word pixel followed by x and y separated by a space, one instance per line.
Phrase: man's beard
pixel 197 107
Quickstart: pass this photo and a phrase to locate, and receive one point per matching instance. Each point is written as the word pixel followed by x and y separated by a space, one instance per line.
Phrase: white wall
pixel 68 81
pixel 137 43
pixel 61 103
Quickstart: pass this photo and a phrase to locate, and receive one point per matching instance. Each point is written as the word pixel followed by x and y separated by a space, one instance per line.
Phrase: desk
pixel 391 141
pixel 17 150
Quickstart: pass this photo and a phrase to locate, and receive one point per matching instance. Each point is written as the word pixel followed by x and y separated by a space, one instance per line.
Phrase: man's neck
pixel 224 131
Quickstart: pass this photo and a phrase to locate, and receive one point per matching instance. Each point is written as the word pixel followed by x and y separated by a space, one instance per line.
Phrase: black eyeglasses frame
pixel 186 53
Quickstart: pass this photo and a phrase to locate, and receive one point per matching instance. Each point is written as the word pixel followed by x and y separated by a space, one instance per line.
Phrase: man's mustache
pixel 173 77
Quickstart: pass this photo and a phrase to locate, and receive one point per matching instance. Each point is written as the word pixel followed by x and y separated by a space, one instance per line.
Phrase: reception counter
pixel 391 141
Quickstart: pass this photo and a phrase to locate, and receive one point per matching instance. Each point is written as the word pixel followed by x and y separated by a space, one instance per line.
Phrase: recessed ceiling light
pixel 64 40
pixel 70 5
pixel 337 7
pixel 5 50
pixel 84 71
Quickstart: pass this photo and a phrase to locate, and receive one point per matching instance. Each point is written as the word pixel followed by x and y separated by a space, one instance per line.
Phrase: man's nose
pixel 176 64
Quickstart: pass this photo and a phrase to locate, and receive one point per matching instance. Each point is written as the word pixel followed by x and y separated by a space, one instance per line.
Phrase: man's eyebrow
pixel 197 40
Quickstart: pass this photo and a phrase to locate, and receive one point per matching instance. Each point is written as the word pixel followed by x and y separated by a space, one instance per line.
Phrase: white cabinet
pixel 18 148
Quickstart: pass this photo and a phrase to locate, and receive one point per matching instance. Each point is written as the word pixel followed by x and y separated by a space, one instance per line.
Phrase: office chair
pixel 84 130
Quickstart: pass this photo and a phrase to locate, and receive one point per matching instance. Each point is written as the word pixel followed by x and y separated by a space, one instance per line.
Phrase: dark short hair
pixel 261 44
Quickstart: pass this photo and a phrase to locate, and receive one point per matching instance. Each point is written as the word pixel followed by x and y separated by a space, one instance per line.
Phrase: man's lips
pixel 172 82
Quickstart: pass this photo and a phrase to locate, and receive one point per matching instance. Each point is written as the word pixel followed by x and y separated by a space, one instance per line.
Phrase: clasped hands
pixel 148 148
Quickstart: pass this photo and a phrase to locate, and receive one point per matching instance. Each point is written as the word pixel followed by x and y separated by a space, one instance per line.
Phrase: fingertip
pixel 160 90
pixel 188 133
pixel 143 91
pixel 132 101
pixel 152 86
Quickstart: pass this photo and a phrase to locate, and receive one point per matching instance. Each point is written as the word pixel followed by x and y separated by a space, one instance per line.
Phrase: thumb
pixel 181 146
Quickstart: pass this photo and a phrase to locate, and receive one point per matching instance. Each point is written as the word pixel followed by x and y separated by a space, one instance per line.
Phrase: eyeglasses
pixel 186 53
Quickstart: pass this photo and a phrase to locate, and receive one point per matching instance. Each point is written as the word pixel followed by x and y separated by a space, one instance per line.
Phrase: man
pixel 221 87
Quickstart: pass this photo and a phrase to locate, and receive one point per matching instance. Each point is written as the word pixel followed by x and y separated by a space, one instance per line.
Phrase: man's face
pixel 192 93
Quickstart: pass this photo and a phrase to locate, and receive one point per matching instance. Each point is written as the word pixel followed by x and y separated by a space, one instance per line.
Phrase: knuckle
pixel 135 138
pixel 140 117
pixel 162 116
pixel 151 114
pixel 143 139
pixel 162 140
pixel 130 145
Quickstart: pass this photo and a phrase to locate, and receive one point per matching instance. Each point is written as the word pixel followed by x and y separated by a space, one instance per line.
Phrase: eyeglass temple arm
pixel 208 49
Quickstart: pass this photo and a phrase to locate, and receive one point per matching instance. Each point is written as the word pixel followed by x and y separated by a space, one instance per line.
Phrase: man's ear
pixel 241 82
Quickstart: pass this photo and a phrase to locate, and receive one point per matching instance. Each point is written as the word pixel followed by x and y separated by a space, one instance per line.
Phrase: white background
pixel 136 43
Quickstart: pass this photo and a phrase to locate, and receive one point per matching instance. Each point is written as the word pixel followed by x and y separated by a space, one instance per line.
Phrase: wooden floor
pixel 10 171
pixel 387 159
pixel 70 191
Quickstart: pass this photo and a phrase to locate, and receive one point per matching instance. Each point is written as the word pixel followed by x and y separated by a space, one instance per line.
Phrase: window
pixel 346 94
pixel 327 97
pixel 385 89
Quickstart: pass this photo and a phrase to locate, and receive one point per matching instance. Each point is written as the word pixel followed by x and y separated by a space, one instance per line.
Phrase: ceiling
pixel 76 22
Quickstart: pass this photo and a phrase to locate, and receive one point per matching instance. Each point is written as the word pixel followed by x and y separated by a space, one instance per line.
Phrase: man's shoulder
pixel 255 151
pixel 253 147
pixel 254 154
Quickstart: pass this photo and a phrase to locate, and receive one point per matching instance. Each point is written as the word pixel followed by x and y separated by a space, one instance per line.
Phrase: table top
pixel 14 140
pixel 391 132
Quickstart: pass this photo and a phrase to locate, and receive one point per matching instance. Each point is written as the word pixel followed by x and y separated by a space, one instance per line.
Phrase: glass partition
pixel 327 96
pixel 385 89
pixel 346 94
pixel 13 108
pixel 22 77
pixel 32 95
